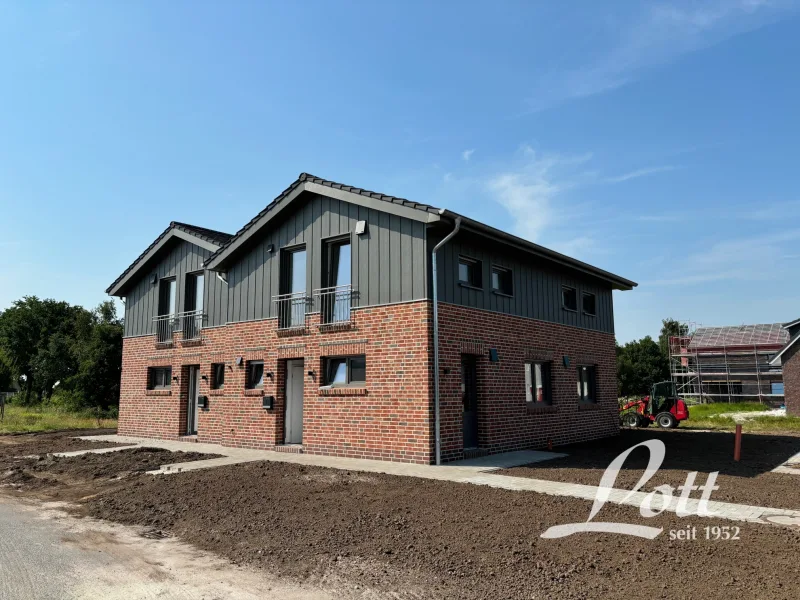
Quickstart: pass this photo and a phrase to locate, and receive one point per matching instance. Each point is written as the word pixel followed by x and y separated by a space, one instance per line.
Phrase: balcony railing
pixel 334 304
pixel 165 327
pixel 292 309
pixel 191 323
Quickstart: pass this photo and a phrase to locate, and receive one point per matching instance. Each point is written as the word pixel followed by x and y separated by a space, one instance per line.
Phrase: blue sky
pixel 658 141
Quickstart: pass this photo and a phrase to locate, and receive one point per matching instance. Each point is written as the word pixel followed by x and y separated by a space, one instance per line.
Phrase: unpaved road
pixel 46 554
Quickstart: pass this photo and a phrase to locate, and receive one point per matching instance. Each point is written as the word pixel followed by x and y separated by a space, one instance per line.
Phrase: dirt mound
pixel 433 539
pixel 44 443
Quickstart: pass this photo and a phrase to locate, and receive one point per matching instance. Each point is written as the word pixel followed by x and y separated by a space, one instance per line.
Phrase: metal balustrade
pixel 292 310
pixel 334 304
pixel 191 323
pixel 165 327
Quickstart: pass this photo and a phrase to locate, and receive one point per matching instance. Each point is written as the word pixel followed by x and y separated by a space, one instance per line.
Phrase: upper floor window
pixel 255 374
pixel 569 298
pixel 589 304
pixel 336 279
pixel 345 370
pixel 587 384
pixel 167 296
pixel 293 303
pixel 537 383
pixel 469 271
pixel 159 378
pixel 194 292
pixel 502 280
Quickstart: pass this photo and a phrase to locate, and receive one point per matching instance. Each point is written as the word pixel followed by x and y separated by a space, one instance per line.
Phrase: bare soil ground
pixel 746 482
pixel 386 536
pixel 44 443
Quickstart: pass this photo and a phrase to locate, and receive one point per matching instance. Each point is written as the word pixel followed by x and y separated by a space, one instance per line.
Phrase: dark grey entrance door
pixel 469 390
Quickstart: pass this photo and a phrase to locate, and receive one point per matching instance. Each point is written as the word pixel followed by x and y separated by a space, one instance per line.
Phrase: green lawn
pixel 24 419
pixel 713 416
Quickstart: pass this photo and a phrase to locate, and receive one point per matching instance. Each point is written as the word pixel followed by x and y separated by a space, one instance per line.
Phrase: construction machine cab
pixel 662 397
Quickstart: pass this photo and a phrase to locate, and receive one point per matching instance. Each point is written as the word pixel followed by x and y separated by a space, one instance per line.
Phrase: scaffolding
pixel 718 364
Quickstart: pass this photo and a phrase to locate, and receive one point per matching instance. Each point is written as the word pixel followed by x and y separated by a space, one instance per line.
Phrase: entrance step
pixel 290 448
pixel 188 438
pixel 475 452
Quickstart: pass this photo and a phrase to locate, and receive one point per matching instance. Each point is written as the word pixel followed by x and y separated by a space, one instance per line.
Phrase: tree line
pixel 641 363
pixel 53 351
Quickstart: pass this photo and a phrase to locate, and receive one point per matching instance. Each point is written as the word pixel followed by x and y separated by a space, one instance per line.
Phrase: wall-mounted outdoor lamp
pixel 270 248
pixel 312 374
pixel 447 371
pixel 175 378
pixel 268 402
pixel 361 227
pixel 239 361
pixel 268 374
pixel 154 278
pixel 204 377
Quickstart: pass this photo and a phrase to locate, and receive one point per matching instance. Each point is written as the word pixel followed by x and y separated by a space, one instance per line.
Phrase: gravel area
pixel 746 482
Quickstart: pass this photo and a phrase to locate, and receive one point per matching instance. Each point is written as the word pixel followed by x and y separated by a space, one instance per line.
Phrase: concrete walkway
pixel 476 471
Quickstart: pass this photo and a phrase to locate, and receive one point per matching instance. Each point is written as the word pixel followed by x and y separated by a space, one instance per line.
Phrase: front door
pixel 192 413
pixel 294 401
pixel 469 395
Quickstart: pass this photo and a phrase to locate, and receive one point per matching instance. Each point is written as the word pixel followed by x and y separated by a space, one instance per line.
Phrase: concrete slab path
pixel 472 471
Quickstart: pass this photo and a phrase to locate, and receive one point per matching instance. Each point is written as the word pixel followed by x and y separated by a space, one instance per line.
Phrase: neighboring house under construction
pixel 729 364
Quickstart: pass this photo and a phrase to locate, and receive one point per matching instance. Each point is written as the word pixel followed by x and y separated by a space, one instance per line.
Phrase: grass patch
pixel 24 419
pixel 703 411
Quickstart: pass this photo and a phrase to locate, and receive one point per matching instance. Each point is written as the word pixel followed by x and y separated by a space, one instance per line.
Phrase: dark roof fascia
pixel 791 343
pixel 315 185
pixel 791 324
pixel 617 282
pixel 175 230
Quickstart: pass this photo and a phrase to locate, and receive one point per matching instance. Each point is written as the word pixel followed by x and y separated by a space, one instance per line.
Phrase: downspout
pixel 436 341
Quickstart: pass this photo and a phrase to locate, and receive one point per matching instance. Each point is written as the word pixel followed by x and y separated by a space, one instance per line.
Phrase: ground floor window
pixel 345 370
pixel 217 376
pixel 587 384
pixel 159 378
pixel 537 383
pixel 255 374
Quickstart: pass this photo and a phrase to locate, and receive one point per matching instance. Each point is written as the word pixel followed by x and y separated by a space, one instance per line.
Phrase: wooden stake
pixel 737 445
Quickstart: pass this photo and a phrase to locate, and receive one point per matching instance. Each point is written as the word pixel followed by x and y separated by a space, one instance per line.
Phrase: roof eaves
pixel 791 343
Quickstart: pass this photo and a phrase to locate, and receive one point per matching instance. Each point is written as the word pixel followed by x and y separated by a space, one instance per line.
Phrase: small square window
pixel 217 376
pixel 469 271
pixel 345 370
pixel 569 298
pixel 502 281
pixel 538 388
pixel 589 304
pixel 159 378
pixel 587 384
pixel 255 374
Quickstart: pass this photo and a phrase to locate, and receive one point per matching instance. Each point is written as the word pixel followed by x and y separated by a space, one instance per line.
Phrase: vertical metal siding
pixel 536 285
pixel 180 258
pixel 388 262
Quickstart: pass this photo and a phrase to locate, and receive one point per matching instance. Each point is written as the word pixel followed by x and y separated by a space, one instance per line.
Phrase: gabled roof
pixel 791 342
pixel 400 206
pixel 209 239
pixel 771 334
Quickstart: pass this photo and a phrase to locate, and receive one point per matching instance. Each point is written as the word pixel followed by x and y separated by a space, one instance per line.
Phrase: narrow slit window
pixel 255 374
pixel 587 384
pixel 537 384
pixel 217 376
pixel 569 298
pixel 589 304
pixel 502 281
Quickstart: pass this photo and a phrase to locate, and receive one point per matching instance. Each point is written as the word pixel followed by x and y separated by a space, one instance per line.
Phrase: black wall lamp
pixel 204 377
pixel 270 248
pixel 269 374
pixel 239 361
pixel 175 378
pixel 312 374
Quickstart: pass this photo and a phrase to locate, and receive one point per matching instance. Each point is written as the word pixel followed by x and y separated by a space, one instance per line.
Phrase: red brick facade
pixel 505 421
pixel 387 419
pixel 391 418
pixel 791 380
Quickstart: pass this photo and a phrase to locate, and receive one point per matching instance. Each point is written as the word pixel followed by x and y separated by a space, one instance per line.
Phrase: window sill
pixel 572 310
pixel 158 392
pixel 541 408
pixel 343 391
pixel 502 294
pixel 588 314
pixel 469 286
pixel 588 406
pixel 217 392
pixel 254 392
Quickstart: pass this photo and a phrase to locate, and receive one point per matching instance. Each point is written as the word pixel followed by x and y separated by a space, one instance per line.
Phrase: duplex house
pixel 346 322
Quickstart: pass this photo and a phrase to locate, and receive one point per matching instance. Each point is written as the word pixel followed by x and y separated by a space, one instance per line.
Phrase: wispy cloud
pixel 527 191
pixel 652 36
pixel 755 258
pixel 467 154
pixel 640 173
